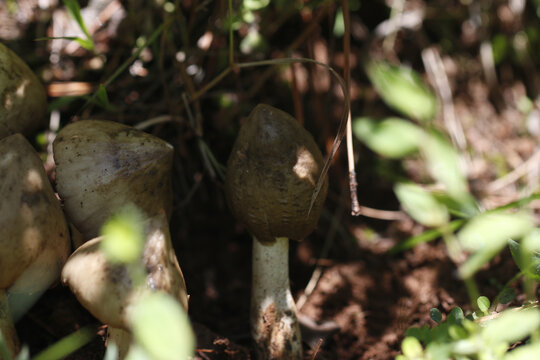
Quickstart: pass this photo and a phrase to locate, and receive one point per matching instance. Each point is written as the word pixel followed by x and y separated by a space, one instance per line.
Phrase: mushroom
pixel 107 290
pixel 271 176
pixel 101 167
pixel 34 243
pixel 22 98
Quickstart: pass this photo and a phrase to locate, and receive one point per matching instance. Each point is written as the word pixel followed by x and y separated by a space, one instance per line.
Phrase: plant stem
pixel 472 290
pixel 274 324
pixel 7 328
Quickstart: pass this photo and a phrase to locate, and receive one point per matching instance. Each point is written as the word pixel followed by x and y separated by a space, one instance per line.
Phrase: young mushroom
pixel 271 176
pixel 101 167
pixel 34 242
pixel 22 98
pixel 107 290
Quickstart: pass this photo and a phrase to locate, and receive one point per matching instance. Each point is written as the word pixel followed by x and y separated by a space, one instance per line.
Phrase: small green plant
pixel 74 10
pixel 479 335
pixel 472 236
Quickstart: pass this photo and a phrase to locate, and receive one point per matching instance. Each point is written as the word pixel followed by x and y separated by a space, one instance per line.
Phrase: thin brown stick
pixel 355 206
pixel 484 319
pixel 317 349
pixel 380 214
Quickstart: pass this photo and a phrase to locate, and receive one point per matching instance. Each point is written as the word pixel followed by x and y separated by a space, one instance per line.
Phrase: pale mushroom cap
pixel 22 98
pixel 106 290
pixel 271 176
pixel 102 288
pixel 34 233
pixel 103 165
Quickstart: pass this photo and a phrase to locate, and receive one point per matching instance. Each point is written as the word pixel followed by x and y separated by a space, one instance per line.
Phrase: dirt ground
pixel 361 299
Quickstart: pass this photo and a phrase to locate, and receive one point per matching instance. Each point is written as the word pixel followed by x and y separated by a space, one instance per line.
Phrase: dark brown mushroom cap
pixel 23 103
pixel 33 225
pixel 271 176
pixel 102 165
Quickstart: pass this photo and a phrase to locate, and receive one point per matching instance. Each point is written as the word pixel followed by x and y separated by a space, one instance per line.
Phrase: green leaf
pixel 426 236
pixel 493 229
pixel 61 102
pixel 532 241
pixel 123 240
pixel 437 351
pixel 476 261
pixel 75 11
pixel 421 334
pixel 66 345
pixel 421 205
pixel 102 96
pixel 253 42
pixel 486 234
pixel 507 295
pixel 527 261
pixel 455 316
pixel 161 326
pixel 411 348
pixel 339 24
pixel 435 315
pixel 524 352
pixel 500 46
pixel 512 326
pixel 255 4
pixel 483 304
pixel 390 137
pixel 444 166
pixel 136 352
pixel 85 43
pixel 439 333
pixel 456 332
pixel 466 346
pixel 402 89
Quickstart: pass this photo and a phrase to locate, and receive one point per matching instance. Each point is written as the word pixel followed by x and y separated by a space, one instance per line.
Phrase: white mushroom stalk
pixel 273 312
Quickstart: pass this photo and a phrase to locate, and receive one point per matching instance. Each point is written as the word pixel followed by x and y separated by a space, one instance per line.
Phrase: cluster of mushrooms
pixel 104 166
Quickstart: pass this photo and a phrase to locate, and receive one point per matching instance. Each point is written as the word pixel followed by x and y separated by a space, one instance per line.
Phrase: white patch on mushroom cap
pixel 304 165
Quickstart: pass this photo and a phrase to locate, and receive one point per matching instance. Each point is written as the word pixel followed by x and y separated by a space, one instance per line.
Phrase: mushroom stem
pixel 6 326
pixel 121 338
pixel 274 324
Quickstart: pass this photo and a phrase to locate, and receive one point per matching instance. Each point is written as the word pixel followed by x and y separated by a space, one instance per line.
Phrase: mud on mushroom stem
pixel 273 313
